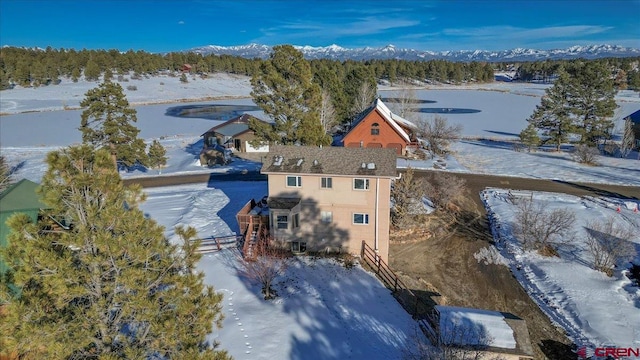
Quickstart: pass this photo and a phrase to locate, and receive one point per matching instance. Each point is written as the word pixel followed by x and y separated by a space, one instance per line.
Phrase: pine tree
pixel 529 137
pixel 553 115
pixel 107 123
pixel 91 71
pixel 157 155
pixel 284 90
pixel 592 100
pixel 111 286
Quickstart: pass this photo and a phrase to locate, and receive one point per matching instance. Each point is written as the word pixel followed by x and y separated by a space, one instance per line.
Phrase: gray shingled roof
pixel 331 160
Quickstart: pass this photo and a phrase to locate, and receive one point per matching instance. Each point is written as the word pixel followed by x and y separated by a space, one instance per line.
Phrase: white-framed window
pixel 326 216
pixel 360 219
pixel 360 184
pixel 294 181
pixel 282 221
pixel 298 246
pixel 326 183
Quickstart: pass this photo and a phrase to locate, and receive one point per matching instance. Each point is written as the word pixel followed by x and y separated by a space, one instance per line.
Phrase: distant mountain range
pixel 391 52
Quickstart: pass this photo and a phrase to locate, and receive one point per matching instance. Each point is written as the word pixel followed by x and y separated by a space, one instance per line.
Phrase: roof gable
pixel 366 162
pixel 235 126
pixel 21 196
pixel 390 118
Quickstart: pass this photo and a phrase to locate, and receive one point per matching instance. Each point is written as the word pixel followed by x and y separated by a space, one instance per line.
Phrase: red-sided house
pixel 378 127
pixel 233 135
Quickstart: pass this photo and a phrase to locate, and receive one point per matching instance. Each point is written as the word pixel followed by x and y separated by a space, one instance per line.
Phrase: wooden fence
pixel 409 301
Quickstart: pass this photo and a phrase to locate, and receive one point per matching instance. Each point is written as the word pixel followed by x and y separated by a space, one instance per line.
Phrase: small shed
pixel 20 197
pixel 481 332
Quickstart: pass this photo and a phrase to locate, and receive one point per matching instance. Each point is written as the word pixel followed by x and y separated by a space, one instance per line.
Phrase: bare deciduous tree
pixel 328 114
pixel 609 243
pixel 585 154
pixel 266 264
pixel 540 229
pixel 628 138
pixel 403 103
pixel 449 345
pixel 407 193
pixel 442 188
pixel 438 134
pixel 5 174
pixel 366 94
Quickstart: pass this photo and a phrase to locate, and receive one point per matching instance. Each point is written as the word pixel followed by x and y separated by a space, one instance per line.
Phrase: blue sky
pixel 169 25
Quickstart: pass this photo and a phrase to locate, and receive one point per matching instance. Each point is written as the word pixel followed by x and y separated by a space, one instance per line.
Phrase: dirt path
pixel 443 266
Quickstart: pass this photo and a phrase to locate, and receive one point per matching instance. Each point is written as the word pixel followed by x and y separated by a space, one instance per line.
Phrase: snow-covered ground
pixel 324 311
pixel 326 314
pixel 594 309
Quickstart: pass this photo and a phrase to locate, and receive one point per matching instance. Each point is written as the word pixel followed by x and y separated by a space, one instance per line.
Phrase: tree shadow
pixel 599 191
pixel 237 194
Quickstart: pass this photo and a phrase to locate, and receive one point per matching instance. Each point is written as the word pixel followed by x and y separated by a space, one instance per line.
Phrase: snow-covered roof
pixel 392 119
pixel 467 326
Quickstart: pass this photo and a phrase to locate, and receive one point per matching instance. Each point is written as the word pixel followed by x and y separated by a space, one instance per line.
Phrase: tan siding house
pixel 331 198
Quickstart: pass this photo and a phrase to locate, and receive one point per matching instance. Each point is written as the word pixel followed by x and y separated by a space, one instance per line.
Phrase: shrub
pixel 132 88
pixel 609 244
pixel 540 229
pixel 585 154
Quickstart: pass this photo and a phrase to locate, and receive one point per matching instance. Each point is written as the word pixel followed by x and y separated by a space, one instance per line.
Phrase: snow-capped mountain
pixel 391 52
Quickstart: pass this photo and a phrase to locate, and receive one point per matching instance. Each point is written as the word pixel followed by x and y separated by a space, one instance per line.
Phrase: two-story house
pixel 330 198
pixel 378 127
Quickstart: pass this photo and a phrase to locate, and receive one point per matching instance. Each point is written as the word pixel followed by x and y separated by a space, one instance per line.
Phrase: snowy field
pixel 324 314
pixel 594 309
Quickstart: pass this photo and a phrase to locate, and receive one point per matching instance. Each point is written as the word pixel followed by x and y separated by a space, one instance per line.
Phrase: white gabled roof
pixel 393 119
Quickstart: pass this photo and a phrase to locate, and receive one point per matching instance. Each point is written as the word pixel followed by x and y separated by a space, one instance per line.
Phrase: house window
pixel 326 183
pixel 282 222
pixel 375 129
pixel 361 184
pixel 294 181
pixel 361 219
pixel 298 246
pixel 326 216
pixel 295 221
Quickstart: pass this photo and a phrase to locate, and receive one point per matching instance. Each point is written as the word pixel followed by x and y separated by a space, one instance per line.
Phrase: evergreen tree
pixel 107 123
pixel 91 71
pixel 284 90
pixel 157 155
pixel 592 100
pixel 553 115
pixel 529 137
pixel 109 287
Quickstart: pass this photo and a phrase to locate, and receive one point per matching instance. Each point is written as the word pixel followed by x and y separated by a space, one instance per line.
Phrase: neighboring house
pixel 378 127
pixel 327 198
pixel 233 135
pixel 20 197
pixel 185 68
pixel 480 333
